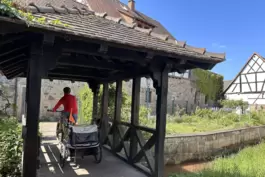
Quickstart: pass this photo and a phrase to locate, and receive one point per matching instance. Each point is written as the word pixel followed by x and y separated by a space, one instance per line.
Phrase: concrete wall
pixel 186 147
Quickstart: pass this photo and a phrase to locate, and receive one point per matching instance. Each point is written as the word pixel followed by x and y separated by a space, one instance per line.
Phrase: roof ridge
pixel 85 11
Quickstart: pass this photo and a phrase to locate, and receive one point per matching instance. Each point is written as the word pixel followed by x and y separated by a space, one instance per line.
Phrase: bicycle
pixel 83 139
pixel 63 120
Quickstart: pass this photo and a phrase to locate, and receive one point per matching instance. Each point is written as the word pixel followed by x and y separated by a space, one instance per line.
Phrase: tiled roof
pixel 114 7
pixel 103 27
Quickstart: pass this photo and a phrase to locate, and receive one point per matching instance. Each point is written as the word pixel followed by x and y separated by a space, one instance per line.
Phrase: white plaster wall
pixel 250 98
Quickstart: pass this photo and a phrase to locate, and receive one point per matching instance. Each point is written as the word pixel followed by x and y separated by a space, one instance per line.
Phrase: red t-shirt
pixel 69 102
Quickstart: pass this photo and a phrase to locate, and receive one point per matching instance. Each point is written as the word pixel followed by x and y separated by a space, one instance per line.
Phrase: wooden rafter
pixel 9 39
pixel 92 49
pixel 13 50
pixel 83 61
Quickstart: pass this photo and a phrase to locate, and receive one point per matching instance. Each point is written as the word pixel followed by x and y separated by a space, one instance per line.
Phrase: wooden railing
pixel 136 145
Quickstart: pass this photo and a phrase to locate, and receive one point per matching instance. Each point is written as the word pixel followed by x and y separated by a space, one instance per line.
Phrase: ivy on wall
pixel 210 84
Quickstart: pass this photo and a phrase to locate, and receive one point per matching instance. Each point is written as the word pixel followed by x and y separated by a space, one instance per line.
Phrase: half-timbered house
pixel 248 84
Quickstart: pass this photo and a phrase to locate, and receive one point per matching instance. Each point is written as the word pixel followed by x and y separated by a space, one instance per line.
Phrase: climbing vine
pixel 210 84
pixel 10 9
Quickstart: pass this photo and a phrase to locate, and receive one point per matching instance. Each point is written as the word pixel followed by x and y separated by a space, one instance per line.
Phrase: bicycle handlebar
pixel 50 110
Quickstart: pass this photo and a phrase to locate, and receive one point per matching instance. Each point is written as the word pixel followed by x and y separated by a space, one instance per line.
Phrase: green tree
pixel 86 97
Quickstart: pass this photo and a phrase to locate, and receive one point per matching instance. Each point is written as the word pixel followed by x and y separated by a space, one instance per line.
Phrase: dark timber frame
pixel 42 54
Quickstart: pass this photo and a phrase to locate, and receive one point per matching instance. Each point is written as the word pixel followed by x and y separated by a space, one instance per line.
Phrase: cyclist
pixel 69 103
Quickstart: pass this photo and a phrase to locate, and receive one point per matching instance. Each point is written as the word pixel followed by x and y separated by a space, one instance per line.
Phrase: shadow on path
pixel 110 166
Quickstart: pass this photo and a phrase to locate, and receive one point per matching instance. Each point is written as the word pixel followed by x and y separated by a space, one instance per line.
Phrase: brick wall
pixel 181 148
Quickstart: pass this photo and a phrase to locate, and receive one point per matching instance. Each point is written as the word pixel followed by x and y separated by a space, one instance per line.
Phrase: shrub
pixel 86 97
pixel 10 148
pixel 234 104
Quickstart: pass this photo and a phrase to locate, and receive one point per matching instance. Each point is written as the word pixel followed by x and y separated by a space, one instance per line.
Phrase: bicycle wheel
pixel 62 161
pixel 98 154
pixel 63 156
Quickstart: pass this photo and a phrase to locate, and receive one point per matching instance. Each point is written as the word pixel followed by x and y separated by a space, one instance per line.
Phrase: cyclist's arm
pixel 60 102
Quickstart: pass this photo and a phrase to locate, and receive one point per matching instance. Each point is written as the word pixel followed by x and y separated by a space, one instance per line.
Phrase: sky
pixel 236 27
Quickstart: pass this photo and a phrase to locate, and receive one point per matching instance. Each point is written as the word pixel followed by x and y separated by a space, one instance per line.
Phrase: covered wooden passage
pixel 64 42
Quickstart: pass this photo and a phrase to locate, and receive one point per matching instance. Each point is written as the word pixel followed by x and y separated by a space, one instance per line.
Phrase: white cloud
pixel 217 45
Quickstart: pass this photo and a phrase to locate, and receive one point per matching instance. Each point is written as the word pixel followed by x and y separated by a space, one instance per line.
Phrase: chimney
pixel 131 4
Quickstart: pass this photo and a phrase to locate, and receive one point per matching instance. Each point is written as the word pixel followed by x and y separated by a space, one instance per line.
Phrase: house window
pixel 148 95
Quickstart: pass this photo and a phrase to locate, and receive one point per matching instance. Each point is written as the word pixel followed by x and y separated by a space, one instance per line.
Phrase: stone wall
pixel 51 92
pixel 181 148
pixel 182 93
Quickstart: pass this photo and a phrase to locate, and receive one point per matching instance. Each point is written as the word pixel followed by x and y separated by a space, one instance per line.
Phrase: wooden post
pixel 43 57
pixel 95 89
pixel 117 114
pixel 104 113
pixel 134 116
pixel 161 84
pixel 32 121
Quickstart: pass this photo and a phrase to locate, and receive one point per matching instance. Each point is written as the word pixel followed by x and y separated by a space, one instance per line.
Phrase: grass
pixel 249 162
pixel 204 120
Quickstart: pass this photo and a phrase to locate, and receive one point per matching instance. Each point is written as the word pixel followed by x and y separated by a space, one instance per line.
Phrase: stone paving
pixel 109 167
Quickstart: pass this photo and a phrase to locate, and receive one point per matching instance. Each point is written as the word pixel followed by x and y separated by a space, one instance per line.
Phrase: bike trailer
pixel 83 135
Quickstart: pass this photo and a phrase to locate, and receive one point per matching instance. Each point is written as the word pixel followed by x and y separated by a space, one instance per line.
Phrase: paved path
pixel 109 167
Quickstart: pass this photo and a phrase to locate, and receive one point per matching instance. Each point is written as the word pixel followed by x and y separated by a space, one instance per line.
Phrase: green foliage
pixel 10 9
pixel 247 163
pixel 10 147
pixel 210 84
pixel 86 97
pixel 208 120
pixel 234 104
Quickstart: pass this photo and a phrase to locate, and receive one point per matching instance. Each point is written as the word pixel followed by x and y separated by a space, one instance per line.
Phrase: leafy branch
pixel 10 9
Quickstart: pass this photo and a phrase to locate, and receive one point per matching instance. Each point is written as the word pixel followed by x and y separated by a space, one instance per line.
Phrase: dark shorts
pixel 67 114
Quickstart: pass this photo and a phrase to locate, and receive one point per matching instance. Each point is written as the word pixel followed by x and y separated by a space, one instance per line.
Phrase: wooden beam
pixel 2 61
pixel 13 64
pixel 13 50
pixel 72 75
pixel 41 60
pixel 93 49
pixel 10 38
pixel 117 113
pixel 83 61
pixel 32 122
pixel 104 113
pixel 134 116
pixel 15 74
pixel 67 78
pixel 9 27
pixel 12 70
pixel 145 146
pixel 160 80
pixel 103 48
pixel 127 75
pixel 94 86
pixel 150 55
